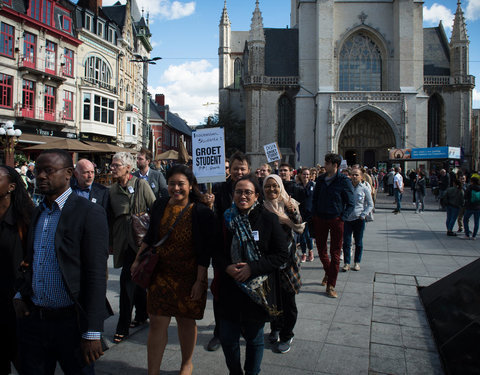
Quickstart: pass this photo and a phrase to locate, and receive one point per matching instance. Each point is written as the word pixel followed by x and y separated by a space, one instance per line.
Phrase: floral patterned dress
pixel 176 270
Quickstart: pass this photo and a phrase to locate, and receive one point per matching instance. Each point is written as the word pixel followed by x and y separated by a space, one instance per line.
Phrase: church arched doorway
pixel 365 139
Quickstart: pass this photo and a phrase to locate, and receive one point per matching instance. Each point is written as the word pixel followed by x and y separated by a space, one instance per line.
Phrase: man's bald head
pixel 84 173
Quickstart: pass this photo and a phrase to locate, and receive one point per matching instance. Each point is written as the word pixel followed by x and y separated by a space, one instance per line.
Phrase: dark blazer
pixel 81 246
pixel 157 182
pixel 333 200
pixel 98 193
pixel 203 225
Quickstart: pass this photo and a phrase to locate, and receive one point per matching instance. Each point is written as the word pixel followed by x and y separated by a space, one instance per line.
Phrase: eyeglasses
pixel 48 170
pixel 116 165
pixel 272 187
pixel 247 193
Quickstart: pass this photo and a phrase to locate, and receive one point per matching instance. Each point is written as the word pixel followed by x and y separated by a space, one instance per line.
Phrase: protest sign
pixel 208 155
pixel 272 152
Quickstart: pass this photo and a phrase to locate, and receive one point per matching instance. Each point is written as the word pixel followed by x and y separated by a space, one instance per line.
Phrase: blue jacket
pixel 334 200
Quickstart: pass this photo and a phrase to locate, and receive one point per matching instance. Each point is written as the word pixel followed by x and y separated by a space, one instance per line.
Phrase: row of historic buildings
pixel 357 77
pixel 76 71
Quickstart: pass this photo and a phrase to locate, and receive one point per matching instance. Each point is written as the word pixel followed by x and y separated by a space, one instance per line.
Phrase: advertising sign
pixel 208 155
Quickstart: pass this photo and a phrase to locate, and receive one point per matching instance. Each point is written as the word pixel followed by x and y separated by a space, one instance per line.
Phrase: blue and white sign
pixel 208 155
pixel 435 153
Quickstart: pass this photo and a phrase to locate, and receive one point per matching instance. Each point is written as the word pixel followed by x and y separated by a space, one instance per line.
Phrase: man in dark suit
pixel 154 178
pixel 61 304
pixel 83 185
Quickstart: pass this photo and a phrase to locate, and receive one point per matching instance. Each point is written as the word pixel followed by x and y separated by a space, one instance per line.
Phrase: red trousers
pixel 321 228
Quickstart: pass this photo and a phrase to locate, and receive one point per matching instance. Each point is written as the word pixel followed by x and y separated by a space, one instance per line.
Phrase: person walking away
pixel 61 304
pixel 463 179
pixel 398 189
pixel 472 207
pixel 16 208
pixel 390 175
pixel 287 209
pixel 248 266
pixel 420 192
pixel 333 202
pixel 355 223
pixel 128 195
pixel 179 282
pixel 453 200
pixel 306 241
pixel 443 185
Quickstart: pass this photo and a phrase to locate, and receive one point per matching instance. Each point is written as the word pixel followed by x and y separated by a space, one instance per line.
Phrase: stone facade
pixel 360 84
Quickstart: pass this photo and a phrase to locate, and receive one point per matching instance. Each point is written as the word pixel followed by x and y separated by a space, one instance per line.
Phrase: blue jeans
pixel 44 342
pixel 306 240
pixel 419 200
pixel 230 339
pixel 476 220
pixel 452 214
pixel 357 227
pixel 398 199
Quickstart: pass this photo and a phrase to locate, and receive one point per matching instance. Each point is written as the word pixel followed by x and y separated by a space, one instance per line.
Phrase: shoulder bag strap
pixel 170 230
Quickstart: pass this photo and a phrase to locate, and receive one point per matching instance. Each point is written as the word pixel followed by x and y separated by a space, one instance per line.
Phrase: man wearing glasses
pixel 61 304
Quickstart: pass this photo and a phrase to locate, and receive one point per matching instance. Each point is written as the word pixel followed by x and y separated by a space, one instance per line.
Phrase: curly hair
pixel 21 202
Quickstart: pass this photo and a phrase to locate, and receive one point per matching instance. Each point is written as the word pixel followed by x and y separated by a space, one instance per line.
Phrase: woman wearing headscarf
pixel 16 209
pixel 248 263
pixel 128 195
pixel 287 210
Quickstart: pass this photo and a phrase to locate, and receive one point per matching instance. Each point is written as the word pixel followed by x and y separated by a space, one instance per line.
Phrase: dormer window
pixel 88 22
pixel 66 24
pixel 111 35
pixel 100 29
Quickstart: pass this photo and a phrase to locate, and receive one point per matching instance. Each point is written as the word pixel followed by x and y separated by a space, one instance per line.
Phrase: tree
pixel 234 129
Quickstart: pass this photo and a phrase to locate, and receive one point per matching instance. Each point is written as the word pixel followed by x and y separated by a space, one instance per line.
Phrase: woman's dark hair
pixel 22 204
pixel 195 195
pixel 474 180
pixel 253 179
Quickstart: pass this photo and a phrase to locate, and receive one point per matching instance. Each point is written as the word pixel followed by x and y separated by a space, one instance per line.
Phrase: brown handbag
pixel 140 220
pixel 142 276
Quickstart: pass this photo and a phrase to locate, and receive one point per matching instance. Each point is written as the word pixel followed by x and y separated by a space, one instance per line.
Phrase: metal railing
pixel 87 81
pixel 37 64
pixel 40 114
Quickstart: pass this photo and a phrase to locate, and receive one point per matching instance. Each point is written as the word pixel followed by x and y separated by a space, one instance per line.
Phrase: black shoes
pixel 213 344
pixel 450 233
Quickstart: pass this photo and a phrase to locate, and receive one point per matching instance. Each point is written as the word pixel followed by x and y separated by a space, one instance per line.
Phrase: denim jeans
pixel 398 199
pixel 305 240
pixel 476 220
pixel 357 227
pixel 230 338
pixel 44 342
pixel 419 200
pixel 452 214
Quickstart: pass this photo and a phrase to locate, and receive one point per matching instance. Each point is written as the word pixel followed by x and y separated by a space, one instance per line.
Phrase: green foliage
pixel 234 129
pixel 20 158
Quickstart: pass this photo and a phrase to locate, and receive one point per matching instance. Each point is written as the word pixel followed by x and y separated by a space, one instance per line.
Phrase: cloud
pixel 166 9
pixel 436 13
pixel 472 10
pixel 187 88
pixel 476 98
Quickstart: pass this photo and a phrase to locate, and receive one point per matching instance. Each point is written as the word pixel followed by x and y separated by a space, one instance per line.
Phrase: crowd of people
pixel 255 229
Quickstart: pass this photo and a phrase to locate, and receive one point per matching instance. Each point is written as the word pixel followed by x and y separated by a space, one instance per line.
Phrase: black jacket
pixel 202 226
pixel 468 198
pixel 99 194
pixel 157 182
pixel 81 246
pixel 233 303
pixel 223 192
pixel 333 200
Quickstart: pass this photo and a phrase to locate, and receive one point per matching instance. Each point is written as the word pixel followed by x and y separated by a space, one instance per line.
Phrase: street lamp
pixel 145 61
pixel 8 139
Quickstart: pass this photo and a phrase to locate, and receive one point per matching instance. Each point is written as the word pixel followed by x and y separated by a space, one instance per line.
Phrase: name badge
pixel 94 200
pixel 131 190
pixel 256 236
pixel 153 185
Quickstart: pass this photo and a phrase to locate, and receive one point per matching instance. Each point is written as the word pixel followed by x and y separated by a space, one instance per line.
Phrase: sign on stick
pixel 208 154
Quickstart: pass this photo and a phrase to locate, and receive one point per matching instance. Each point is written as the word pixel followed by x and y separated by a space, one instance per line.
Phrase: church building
pixel 356 77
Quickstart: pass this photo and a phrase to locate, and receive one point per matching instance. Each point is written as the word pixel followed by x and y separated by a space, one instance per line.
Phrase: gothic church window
pixel 434 121
pixel 360 64
pixel 237 73
pixel 286 125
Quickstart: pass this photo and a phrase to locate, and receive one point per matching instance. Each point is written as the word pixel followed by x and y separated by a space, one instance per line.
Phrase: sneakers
pixel 310 256
pixel 213 344
pixel 324 281
pixel 284 346
pixel 346 268
pixel 303 259
pixel 273 337
pixel 356 267
pixel 331 292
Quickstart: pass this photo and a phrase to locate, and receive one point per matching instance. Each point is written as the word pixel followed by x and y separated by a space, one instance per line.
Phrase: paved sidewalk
pixel 376 326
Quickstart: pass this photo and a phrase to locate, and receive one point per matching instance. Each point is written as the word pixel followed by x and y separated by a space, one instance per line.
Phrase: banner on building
pixel 426 153
pixel 272 152
pixel 208 155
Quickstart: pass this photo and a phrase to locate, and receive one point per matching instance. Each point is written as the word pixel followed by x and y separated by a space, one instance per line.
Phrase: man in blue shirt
pixel 155 179
pixel 83 184
pixel 61 304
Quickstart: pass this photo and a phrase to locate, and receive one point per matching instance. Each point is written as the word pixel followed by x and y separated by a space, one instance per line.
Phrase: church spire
pixel 224 20
pixel 459 30
pixel 256 28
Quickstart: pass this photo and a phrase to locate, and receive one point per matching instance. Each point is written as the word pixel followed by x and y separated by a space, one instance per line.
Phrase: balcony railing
pixel 39 114
pixel 373 96
pixel 273 81
pixel 39 66
pixel 87 81
pixel 448 80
